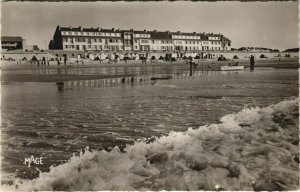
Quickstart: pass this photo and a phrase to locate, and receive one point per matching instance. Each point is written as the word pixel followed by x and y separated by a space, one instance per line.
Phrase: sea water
pixel 217 131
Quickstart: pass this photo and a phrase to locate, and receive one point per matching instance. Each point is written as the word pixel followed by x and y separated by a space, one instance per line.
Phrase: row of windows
pixel 214 38
pixel 96 47
pixel 72 40
pixel 191 48
pixel 135 41
pixel 142 35
pixel 91 34
pixel 185 37
pixel 116 48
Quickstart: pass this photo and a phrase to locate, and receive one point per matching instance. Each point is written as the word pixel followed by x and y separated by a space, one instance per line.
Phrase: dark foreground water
pixel 39 120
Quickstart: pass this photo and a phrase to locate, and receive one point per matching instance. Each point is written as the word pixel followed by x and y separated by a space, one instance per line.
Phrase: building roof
pixel 160 35
pixel 11 38
pixel 154 34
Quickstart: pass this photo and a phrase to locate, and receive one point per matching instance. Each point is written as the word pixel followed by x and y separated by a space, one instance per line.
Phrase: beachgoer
pixel 190 61
pixel 44 61
pixel 65 60
pixel 252 63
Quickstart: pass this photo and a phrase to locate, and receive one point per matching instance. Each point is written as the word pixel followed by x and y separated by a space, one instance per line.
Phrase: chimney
pixel 97 28
pixel 155 31
pixel 145 30
pixel 178 32
pixel 131 29
pixel 113 29
pixel 80 28
pixel 194 33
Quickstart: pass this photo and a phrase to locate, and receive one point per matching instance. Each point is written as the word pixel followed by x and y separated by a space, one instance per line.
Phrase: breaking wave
pixel 254 149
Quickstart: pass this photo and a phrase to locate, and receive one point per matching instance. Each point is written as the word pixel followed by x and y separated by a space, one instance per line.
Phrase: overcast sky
pixel 253 24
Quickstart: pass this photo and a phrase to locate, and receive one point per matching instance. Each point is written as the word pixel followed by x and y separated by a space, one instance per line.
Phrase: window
pixel 178 42
pixel 144 41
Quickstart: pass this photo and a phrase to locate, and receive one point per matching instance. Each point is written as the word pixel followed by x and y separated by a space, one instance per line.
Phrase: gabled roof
pixel 11 38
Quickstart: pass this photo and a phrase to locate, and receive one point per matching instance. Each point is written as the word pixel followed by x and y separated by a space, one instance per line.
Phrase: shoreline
pixel 54 73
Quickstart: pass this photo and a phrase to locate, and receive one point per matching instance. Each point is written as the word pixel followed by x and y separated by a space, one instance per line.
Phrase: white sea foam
pixel 255 149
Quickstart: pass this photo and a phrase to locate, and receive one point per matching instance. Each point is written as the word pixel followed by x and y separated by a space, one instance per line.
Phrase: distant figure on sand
pixel 251 63
pixel 190 61
pixel 65 60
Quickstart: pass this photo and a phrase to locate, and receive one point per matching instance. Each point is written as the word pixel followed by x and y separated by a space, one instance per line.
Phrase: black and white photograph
pixel 149 96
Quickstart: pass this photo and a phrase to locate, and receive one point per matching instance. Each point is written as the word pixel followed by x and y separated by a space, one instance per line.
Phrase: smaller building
pixel 9 43
pixel 32 48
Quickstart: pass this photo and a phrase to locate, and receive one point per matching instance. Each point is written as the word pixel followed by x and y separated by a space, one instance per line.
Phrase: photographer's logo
pixel 32 159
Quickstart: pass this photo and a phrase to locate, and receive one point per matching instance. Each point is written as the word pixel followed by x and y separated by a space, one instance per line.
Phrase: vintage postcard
pixel 149 96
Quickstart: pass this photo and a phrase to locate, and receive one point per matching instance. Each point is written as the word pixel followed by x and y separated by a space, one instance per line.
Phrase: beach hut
pixel 97 56
pixel 112 56
pixel 121 56
pixel 193 55
pixel 174 55
pixel 91 56
pixel 137 57
pixel 103 56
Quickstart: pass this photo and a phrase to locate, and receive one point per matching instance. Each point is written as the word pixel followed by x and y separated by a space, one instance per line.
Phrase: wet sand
pixel 9 69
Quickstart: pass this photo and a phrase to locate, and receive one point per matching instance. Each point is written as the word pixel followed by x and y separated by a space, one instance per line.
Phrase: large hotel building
pixel 98 39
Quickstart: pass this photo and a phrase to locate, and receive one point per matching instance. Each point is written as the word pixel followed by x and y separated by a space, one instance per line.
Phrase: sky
pixel 247 24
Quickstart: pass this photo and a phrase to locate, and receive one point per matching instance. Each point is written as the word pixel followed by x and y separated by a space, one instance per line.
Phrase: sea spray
pixel 254 149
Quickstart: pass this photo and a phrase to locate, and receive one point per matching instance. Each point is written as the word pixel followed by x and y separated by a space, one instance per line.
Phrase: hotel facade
pixel 98 39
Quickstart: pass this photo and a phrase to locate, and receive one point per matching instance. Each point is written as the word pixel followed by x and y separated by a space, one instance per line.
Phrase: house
pixel 9 43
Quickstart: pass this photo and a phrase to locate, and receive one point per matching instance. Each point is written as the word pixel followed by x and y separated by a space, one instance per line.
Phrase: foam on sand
pixel 255 149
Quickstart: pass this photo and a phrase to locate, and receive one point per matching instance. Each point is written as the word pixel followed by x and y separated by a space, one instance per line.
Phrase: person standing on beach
pixel 190 61
pixel 252 63
pixel 65 60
